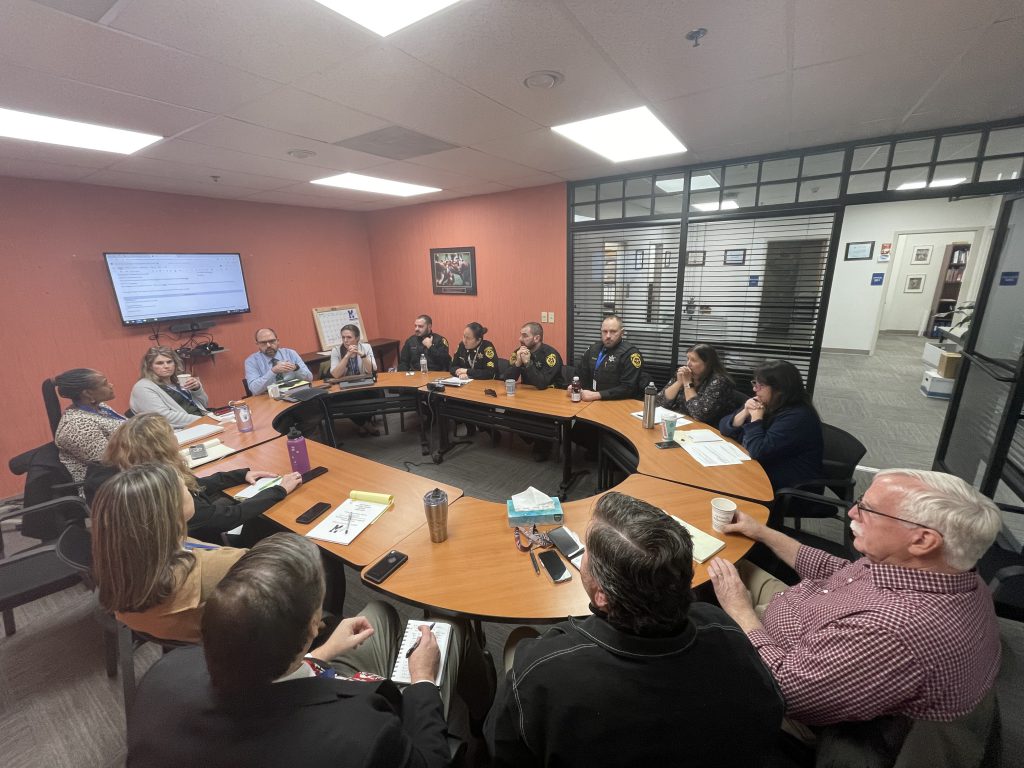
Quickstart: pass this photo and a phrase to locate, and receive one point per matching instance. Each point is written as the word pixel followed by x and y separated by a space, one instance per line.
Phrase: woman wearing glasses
pixel 165 388
pixel 779 426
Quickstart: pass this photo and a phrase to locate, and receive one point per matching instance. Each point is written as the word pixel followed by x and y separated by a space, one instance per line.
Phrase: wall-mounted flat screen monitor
pixel 153 287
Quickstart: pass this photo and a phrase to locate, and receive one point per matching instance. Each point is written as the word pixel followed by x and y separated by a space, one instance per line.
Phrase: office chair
pixel 1002 568
pixel 52 404
pixel 245 387
pixel 38 571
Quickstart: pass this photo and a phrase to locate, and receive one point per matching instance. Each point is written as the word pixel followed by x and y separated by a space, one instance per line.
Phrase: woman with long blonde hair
pixel 148 438
pixel 164 387
pixel 154 578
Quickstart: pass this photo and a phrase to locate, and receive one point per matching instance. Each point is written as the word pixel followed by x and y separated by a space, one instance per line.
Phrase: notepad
pixel 198 432
pixel 443 633
pixel 659 416
pixel 454 381
pixel 260 485
pixel 705 546
pixel 215 449
pixel 357 513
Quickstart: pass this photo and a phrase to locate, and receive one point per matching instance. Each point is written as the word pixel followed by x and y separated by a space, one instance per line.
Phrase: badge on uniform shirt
pixel 489 352
pixel 636 360
pixel 550 360
pixel 490 363
pixel 512 358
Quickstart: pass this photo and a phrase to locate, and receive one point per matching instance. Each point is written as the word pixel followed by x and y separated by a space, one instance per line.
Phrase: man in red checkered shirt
pixel 908 629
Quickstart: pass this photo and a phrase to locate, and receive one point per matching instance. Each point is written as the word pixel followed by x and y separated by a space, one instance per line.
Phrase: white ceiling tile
pixel 108 178
pixel 543 149
pixel 471 162
pixel 256 140
pixel 745 41
pixel 152 166
pixel 394 86
pixel 44 94
pixel 191 153
pixel 482 188
pixel 829 30
pixel 399 170
pixel 537 180
pixel 86 52
pixel 302 114
pixel 93 10
pixel 39 169
pixel 278 39
pixel 288 197
pixel 519 38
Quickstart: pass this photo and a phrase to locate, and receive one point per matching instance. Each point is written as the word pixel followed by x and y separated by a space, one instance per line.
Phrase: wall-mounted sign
pixel 885 252
pixel 877 277
pixel 753 280
pixel 1008 278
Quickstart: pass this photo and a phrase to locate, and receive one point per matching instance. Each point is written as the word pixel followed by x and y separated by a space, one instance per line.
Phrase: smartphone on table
pixel 387 565
pixel 553 566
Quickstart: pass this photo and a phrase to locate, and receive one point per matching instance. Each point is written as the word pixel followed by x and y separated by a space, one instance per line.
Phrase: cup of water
pixel 668 426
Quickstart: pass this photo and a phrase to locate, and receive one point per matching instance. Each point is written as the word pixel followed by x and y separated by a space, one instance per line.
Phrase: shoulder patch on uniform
pixel 489 353
pixel 444 341
pixel 550 360
pixel 636 360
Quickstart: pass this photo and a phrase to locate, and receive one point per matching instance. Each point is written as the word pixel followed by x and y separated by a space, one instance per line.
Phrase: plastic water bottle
pixel 650 393
pixel 423 363
pixel 577 390
pixel 297 453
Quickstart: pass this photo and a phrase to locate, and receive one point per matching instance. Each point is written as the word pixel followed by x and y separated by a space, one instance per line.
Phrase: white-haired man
pixel 907 629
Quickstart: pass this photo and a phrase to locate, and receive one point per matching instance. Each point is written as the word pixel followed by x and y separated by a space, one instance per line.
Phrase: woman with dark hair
pixel 87 424
pixel 701 389
pixel 779 426
pixel 154 578
pixel 476 357
pixel 165 388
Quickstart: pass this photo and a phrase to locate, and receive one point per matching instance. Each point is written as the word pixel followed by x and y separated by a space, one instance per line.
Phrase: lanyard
pixel 600 359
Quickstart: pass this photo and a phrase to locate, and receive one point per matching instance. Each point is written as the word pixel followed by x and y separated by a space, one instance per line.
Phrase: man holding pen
pixel 258 692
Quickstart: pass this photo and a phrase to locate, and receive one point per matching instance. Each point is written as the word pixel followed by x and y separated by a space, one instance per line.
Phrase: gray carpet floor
pixel 58 708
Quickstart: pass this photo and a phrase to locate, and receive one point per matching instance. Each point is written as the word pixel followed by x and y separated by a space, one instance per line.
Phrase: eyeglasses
pixel 756 385
pixel 533 539
pixel 267 341
pixel 859 504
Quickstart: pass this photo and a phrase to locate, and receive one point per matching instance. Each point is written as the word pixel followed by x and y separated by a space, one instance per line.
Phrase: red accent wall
pixel 59 310
pixel 58 305
pixel 519 238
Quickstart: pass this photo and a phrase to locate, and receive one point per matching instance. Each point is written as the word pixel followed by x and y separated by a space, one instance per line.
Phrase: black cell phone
pixel 197 452
pixel 553 566
pixel 314 472
pixel 313 512
pixel 490 393
pixel 565 543
pixel 387 565
pixel 667 444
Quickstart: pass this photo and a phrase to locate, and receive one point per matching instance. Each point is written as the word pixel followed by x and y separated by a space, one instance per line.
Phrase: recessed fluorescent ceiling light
pixel 703 181
pixel 620 136
pixel 386 16
pixel 68 133
pixel 373 184
pixel 727 205
pixel 935 183
pixel 671 185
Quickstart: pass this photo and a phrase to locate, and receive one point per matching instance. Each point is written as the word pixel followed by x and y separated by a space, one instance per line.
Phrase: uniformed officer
pixel 613 368
pixel 476 357
pixel 424 342
pixel 538 364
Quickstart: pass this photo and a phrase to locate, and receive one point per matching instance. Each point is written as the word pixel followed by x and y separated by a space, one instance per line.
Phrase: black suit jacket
pixel 177 720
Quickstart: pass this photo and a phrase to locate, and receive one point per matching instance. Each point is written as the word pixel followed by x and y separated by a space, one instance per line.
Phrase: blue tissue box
pixel 551 516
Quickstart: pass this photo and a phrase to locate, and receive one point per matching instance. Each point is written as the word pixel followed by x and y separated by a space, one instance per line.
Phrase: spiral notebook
pixel 443 633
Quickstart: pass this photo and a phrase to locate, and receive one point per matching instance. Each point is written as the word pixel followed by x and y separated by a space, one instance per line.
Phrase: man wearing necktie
pixel 273 363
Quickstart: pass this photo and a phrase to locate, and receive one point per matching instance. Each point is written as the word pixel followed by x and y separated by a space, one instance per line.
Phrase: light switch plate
pixel 543 317
pixel 551 317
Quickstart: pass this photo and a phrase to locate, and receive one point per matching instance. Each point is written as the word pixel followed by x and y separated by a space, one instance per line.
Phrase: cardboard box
pixel 933 385
pixel 933 349
pixel 949 364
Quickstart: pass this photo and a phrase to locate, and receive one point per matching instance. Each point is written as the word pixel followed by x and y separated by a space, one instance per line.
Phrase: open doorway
pixel 793 273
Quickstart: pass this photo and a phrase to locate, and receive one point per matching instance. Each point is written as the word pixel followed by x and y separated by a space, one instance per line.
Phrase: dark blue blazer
pixel 790 447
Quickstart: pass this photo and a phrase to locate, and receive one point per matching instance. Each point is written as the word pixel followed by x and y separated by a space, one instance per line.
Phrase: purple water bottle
pixel 297 453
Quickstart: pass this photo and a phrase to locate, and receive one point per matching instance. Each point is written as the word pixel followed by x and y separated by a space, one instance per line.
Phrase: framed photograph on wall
pixel 859 251
pixel 453 270
pixel 736 256
pixel 695 258
pixel 922 256
pixel 638 258
pixel 915 284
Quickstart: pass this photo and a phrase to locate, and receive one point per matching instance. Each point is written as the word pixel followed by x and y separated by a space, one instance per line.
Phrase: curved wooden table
pixel 479 572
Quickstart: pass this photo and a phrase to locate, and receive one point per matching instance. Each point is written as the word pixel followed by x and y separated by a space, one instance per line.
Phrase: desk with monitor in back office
pixel 478 571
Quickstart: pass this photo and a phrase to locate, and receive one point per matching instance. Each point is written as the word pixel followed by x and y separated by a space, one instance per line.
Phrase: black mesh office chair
pixel 1002 568
pixel 52 404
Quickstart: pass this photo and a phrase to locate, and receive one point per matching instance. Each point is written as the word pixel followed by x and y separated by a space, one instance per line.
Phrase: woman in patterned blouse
pixel 701 389
pixel 86 426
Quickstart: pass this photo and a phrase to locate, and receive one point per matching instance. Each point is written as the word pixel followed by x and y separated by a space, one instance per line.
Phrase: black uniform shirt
pixel 544 369
pixel 438 358
pixel 481 363
pixel 619 374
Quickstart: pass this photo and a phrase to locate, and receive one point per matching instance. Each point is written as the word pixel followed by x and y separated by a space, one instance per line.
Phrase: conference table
pixel 478 571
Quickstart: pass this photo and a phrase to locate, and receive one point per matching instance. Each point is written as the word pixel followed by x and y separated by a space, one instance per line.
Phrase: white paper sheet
pixel 659 416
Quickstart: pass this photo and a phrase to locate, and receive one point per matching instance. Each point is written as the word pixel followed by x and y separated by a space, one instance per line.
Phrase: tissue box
pixel 552 516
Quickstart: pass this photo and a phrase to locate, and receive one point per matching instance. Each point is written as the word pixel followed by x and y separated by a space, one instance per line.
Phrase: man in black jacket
pixel 648 680
pixel 613 368
pixel 253 696
pixel 424 342
pixel 538 364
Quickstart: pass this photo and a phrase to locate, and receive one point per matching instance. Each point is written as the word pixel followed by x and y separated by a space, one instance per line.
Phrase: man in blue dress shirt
pixel 273 364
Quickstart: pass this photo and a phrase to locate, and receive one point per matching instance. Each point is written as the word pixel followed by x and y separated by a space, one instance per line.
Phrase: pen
pixel 533 559
pixel 417 643
pixel 348 522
